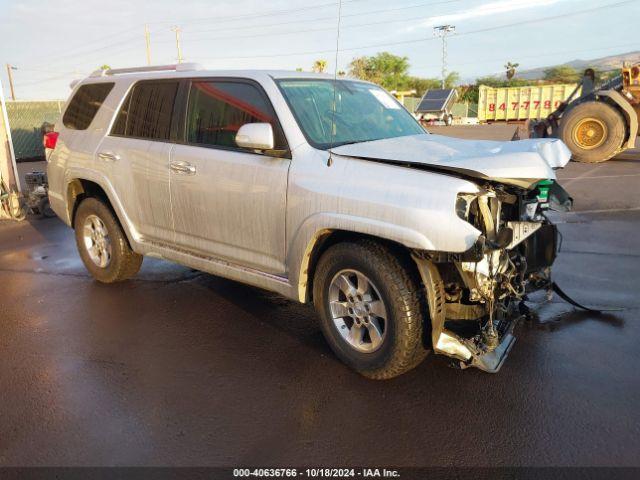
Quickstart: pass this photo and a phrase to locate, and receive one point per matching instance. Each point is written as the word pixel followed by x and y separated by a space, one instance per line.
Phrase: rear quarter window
pixel 147 111
pixel 85 104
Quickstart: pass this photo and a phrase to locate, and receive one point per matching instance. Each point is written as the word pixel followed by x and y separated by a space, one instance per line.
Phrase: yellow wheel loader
pixel 599 123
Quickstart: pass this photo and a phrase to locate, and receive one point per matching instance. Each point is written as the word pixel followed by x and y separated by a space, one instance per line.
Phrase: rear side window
pixel 85 104
pixel 217 109
pixel 147 111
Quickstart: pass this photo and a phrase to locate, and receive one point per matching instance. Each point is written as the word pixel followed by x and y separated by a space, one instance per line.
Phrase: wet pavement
pixel 178 367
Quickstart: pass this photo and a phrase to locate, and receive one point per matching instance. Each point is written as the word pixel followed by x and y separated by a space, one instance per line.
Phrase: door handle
pixel 108 156
pixel 183 168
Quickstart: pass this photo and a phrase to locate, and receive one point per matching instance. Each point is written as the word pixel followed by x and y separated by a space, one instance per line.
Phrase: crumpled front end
pixel 475 297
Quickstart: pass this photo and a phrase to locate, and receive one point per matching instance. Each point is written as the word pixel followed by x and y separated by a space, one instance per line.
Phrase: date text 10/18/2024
pixel 316 472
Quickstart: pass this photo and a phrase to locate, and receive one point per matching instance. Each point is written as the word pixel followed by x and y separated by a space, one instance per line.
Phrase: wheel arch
pixel 326 238
pixel 80 188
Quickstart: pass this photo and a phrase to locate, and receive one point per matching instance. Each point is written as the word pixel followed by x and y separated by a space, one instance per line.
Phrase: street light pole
pixel 442 31
pixel 147 39
pixel 177 30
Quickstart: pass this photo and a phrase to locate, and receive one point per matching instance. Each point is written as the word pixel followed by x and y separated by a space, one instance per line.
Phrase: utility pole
pixel 177 30
pixel 10 75
pixel 442 31
pixel 147 39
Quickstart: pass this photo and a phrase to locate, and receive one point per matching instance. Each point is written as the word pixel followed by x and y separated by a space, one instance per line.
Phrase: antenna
pixel 442 31
pixel 335 80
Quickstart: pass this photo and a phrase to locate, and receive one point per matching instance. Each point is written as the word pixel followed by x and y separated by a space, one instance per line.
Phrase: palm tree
pixel 511 69
pixel 319 66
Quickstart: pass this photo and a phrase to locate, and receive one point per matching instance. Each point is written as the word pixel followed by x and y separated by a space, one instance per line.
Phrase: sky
pixel 52 43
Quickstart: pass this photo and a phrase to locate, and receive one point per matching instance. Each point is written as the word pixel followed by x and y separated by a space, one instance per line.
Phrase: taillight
pixel 50 139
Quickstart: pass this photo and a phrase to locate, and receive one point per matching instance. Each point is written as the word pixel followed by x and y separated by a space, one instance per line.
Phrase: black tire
pixel 124 263
pixel 601 114
pixel 402 346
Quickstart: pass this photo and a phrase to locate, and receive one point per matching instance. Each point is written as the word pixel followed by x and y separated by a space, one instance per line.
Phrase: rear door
pixel 137 152
pixel 229 202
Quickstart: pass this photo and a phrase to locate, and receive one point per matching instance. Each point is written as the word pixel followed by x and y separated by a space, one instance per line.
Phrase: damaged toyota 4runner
pixel 325 191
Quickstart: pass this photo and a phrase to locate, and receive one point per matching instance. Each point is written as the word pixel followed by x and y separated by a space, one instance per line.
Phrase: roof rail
pixel 179 67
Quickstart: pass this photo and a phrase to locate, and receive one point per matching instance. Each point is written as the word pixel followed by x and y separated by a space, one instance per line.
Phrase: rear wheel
pixel 593 131
pixel 371 309
pixel 102 244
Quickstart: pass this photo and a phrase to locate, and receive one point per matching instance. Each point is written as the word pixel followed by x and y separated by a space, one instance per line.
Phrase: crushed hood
pixel 521 163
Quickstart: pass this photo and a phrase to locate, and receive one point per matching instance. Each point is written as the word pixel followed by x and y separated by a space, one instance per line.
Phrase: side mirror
pixel 257 136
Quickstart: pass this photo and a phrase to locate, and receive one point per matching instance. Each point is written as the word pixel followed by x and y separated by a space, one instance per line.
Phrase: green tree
pixel 562 74
pixel 360 67
pixel 421 85
pixel 384 68
pixel 105 67
pixel 391 72
pixel 470 93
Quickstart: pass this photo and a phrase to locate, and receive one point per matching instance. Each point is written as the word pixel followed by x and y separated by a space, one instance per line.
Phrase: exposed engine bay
pixel 476 297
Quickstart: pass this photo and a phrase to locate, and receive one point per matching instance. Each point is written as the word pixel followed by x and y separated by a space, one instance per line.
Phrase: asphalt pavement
pixel 178 367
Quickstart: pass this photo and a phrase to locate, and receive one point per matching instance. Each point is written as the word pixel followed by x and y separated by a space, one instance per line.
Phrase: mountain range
pixel 604 63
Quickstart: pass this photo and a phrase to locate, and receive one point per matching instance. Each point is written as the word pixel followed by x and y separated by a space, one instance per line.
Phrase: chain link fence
pixel 28 120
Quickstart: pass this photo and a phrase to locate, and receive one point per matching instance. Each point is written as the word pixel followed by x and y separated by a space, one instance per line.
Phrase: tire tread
pixel 408 302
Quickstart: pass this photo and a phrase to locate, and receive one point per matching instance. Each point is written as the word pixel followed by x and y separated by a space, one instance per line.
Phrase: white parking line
pixel 601 176
pixel 604 210
pixel 584 174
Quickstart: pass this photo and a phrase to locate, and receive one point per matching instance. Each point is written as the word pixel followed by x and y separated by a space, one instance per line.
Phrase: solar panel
pixel 435 100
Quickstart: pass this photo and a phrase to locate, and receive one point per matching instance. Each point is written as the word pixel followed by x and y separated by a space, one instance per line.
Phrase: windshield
pixel 363 112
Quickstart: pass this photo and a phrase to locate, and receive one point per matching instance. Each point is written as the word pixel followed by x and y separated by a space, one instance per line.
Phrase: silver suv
pixel 325 191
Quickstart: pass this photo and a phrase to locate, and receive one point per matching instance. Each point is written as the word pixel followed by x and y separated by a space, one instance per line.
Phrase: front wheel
pixel 593 131
pixel 371 309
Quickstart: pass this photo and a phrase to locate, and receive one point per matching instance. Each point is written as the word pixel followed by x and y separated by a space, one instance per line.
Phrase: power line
pixel 305 31
pixel 362 47
pixel 420 40
pixel 269 13
pixel 317 19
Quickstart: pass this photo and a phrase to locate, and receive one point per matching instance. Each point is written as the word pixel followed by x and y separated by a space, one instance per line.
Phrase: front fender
pixel 319 225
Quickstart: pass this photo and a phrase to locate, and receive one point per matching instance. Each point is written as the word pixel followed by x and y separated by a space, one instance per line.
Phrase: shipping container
pixel 520 103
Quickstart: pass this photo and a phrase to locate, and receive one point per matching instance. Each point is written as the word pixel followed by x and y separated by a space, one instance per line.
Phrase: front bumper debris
pixel 491 362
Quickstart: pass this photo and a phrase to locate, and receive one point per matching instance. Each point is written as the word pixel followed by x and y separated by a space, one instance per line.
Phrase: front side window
pixel 147 111
pixel 217 110
pixel 85 104
pixel 350 112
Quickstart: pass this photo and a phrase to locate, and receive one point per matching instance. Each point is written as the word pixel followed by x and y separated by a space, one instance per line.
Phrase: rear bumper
pixel 59 206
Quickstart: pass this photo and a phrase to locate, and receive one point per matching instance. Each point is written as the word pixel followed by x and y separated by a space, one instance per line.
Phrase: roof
pixel 195 70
